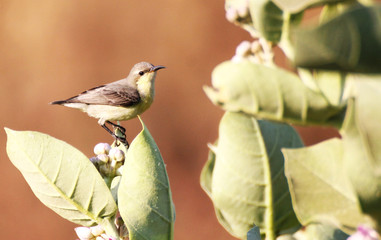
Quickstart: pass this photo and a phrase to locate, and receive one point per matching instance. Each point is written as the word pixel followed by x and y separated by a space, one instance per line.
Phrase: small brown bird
pixel 120 100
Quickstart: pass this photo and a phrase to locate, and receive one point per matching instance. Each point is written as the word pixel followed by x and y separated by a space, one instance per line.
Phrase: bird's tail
pixel 58 102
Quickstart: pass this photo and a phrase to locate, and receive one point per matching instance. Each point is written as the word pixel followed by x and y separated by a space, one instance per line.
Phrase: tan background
pixel 51 50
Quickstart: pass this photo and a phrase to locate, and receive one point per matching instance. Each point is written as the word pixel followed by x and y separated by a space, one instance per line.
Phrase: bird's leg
pixel 119 138
pixel 122 129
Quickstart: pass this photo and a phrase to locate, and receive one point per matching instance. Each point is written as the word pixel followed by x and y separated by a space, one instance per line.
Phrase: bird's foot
pixel 122 140
pixel 118 135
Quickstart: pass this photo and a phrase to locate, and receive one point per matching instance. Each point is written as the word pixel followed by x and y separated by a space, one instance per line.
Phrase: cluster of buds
pixel 258 51
pixel 92 233
pixel 364 233
pixel 109 161
pixel 239 14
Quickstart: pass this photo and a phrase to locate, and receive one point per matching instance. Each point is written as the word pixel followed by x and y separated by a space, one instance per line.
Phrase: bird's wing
pixel 112 94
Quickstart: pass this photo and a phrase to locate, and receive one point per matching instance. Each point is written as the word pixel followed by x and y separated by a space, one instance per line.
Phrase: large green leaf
pixel 144 195
pixel 246 180
pixel 61 177
pixel 270 93
pixel 349 42
pixel 361 137
pixel 319 185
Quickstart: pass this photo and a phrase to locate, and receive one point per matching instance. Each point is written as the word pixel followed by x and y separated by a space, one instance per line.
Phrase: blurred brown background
pixel 51 50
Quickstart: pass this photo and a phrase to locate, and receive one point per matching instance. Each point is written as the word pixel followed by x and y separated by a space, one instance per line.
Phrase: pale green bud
pixel 102 148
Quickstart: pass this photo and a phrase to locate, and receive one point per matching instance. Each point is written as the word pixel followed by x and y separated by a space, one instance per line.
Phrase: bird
pixel 120 100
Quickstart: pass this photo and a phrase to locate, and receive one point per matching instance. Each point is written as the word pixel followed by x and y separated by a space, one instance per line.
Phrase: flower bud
pixel 103 158
pixel 256 47
pixel 102 148
pixel 97 230
pixel 84 233
pixel 364 233
pixel 243 11
pixel 116 154
pixel 243 49
pixel 231 15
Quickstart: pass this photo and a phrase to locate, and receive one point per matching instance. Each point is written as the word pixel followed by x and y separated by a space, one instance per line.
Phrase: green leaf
pixel 333 10
pixel 207 173
pixel 61 177
pixel 267 19
pixel 329 83
pixel 349 42
pixel 270 93
pixel 299 5
pixel 247 183
pixel 254 234
pixel 144 195
pixel 361 137
pixel 319 185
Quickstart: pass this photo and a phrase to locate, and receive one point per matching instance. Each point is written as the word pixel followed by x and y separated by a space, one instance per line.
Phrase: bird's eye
pixel 141 73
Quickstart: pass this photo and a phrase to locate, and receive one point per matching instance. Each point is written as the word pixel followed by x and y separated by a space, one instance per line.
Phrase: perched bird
pixel 120 100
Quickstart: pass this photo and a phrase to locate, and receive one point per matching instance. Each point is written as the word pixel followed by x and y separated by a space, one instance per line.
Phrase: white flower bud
pixel 104 158
pixel 84 233
pixel 243 49
pixel 116 154
pixel 243 11
pixel 256 47
pixel 231 15
pixel 102 148
pixel 97 230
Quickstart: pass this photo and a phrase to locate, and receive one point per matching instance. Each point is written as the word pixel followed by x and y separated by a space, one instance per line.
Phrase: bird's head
pixel 143 73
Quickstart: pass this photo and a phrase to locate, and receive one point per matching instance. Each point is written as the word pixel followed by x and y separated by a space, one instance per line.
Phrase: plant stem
pixel 110 228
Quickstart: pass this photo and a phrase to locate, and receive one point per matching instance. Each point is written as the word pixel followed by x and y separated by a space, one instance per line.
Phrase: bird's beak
pixel 155 68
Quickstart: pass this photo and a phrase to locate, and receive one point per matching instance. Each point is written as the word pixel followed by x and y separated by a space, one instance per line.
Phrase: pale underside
pixel 111 113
